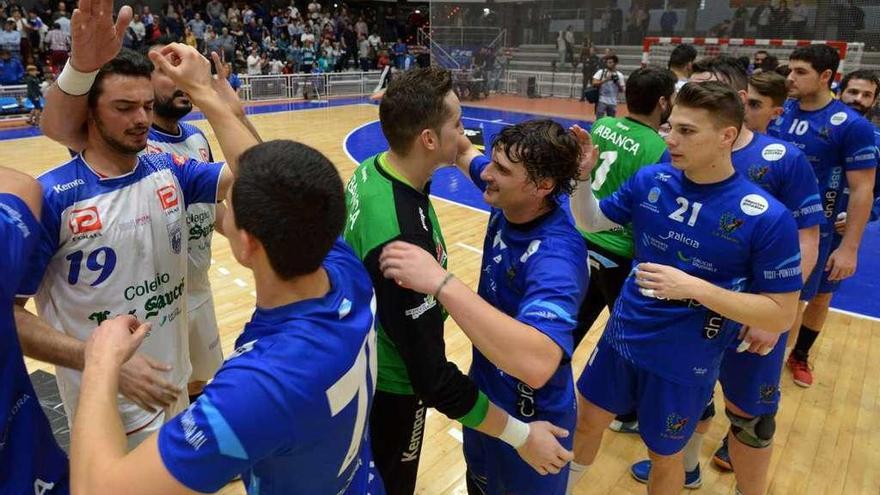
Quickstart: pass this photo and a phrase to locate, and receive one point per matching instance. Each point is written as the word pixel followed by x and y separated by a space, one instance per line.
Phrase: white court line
pixel 855 315
pixel 469 248
pixel 456 434
pixel 496 121
pixel 239 282
pixel 456 203
pixel 223 271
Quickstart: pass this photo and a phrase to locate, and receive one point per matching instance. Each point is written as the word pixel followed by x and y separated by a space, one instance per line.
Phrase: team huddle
pixel 708 245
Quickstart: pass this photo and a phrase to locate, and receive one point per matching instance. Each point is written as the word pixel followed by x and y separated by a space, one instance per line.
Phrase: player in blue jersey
pixel 30 460
pixel 288 410
pixel 713 251
pixel 859 90
pixel 522 318
pixel 839 143
pixel 750 380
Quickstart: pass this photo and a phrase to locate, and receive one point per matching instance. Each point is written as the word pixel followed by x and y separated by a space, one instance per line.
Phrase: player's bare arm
pixel 99 463
pixel 95 40
pixel 842 262
pixel 774 312
pixel 517 348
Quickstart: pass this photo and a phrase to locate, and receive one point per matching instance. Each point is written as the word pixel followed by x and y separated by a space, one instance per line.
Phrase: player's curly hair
pixel 546 150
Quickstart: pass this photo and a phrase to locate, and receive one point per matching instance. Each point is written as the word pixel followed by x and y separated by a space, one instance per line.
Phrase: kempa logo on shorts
pixel 773 152
pixel 415 440
pixel 753 204
pixel 84 220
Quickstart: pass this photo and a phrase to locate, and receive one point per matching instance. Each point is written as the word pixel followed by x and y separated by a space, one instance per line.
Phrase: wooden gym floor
pixel 828 437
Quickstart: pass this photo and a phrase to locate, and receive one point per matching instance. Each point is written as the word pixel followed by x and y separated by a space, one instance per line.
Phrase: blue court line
pixel 855 296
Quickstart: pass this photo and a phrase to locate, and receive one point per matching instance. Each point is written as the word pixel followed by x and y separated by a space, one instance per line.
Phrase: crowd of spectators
pixel 295 36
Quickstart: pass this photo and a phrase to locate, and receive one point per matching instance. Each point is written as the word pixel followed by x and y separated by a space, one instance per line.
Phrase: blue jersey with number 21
pixel 732 234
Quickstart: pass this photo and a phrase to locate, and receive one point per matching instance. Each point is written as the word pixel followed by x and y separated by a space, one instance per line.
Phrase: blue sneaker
pixel 641 470
pixel 624 426
pixel 722 457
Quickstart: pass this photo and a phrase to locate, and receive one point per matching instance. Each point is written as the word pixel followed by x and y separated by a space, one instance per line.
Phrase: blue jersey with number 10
pixel 288 409
pixel 731 234
pixel 30 460
pixel 836 140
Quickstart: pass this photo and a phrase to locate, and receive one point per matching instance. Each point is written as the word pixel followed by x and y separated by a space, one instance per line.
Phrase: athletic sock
pixel 575 473
pixel 806 338
pixel 692 452
pixel 627 418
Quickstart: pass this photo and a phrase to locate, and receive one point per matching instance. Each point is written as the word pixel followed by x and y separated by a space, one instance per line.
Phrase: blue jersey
pixel 289 407
pixel 784 172
pixel 30 460
pixel 536 273
pixel 732 234
pixel 875 208
pixel 836 140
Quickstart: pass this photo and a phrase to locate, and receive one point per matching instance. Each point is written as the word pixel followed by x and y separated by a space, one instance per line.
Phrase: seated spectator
pixel 11 70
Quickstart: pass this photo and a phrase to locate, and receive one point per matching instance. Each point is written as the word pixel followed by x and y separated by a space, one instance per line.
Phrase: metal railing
pixel 308 86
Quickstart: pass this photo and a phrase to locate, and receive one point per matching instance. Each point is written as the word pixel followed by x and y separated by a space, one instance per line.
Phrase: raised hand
pixel 95 37
pixel 542 450
pixel 189 70
pixel 589 152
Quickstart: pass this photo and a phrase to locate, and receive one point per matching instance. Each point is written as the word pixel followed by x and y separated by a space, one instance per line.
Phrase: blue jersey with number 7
pixel 288 410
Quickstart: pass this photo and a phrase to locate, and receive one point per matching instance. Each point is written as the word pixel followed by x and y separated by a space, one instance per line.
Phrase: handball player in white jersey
pixel 168 134
pixel 115 228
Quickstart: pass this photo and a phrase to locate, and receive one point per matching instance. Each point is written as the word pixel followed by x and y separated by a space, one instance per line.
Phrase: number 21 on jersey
pixel 683 206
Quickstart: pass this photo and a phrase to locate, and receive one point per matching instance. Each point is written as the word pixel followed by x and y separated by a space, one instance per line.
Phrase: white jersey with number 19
pixel 117 246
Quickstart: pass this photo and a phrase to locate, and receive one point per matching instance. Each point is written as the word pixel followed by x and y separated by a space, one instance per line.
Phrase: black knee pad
pixel 755 432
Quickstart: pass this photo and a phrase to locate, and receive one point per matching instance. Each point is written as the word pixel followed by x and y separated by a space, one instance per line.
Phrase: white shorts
pixel 136 437
pixel 205 351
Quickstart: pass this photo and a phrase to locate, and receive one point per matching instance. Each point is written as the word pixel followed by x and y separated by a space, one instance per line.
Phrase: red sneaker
pixel 801 371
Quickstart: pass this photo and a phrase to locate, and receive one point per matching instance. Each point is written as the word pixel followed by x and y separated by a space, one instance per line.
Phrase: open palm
pixel 95 38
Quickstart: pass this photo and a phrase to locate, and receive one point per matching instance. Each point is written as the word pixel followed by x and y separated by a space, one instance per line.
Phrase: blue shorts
pixel 499 470
pixel 818 281
pixel 668 412
pixel 751 381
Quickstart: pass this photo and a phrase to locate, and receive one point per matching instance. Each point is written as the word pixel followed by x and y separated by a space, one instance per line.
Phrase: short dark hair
pixel 645 86
pixel 611 57
pixel 770 63
pixel 682 55
pixel 414 101
pixel 718 98
pixel 863 74
pixel 546 150
pixel 126 63
pixel 726 68
pixel 821 57
pixel 163 40
pixel 771 85
pixel 289 197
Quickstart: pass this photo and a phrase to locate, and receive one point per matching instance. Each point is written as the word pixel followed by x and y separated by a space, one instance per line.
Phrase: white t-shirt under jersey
pixel 115 246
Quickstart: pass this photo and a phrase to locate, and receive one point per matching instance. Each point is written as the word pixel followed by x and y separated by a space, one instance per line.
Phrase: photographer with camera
pixel 610 82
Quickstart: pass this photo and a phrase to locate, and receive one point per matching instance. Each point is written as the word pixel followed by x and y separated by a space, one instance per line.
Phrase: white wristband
pixel 74 82
pixel 515 432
